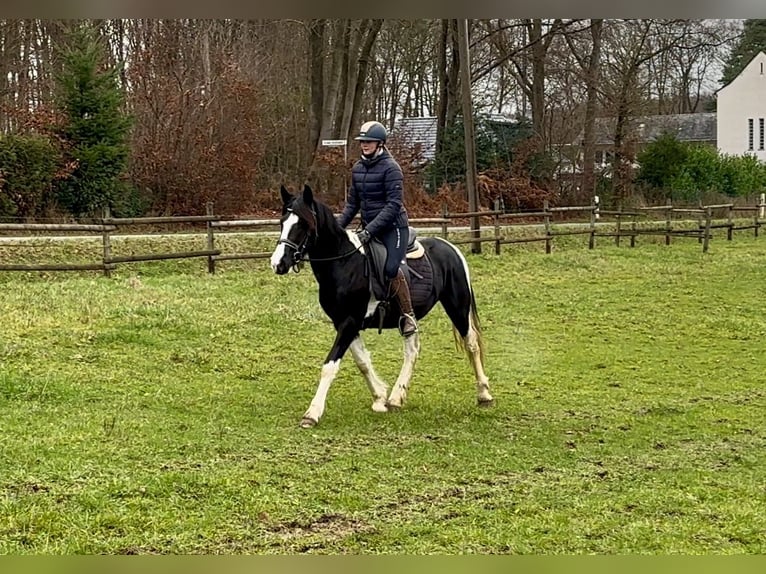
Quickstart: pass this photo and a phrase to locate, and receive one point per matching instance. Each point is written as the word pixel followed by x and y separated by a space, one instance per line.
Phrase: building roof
pixel 416 131
pixel 685 127
pixel 757 58
pixel 422 131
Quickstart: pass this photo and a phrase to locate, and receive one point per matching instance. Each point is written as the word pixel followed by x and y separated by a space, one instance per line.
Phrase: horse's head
pixel 298 227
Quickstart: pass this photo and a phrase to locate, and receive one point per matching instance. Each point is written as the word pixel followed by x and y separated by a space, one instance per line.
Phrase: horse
pixel 354 301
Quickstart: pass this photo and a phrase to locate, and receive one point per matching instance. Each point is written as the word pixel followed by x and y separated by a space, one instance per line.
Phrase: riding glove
pixel 363 236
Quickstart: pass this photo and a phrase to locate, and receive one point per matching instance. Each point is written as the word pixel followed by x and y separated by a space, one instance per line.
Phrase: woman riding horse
pixel 376 190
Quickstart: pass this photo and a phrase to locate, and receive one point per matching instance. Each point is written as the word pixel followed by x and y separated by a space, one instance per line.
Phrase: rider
pixel 376 189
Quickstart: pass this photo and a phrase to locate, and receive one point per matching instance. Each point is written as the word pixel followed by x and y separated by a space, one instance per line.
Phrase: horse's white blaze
pixel 317 406
pixel 399 390
pixel 364 362
pixel 279 252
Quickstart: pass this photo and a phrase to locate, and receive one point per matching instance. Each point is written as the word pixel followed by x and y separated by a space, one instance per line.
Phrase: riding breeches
pixel 395 240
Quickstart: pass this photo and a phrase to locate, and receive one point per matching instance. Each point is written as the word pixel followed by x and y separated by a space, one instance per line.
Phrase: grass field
pixel 157 411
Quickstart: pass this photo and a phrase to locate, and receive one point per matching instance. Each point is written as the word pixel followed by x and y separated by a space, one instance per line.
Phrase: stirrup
pixel 402 320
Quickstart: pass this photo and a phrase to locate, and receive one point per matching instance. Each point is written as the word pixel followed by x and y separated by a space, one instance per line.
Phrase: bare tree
pixel 590 62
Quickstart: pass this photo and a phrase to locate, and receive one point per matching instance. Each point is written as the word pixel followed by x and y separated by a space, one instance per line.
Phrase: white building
pixel 742 111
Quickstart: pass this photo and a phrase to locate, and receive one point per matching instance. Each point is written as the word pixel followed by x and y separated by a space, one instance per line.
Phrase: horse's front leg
pixel 346 332
pixel 399 390
pixel 377 387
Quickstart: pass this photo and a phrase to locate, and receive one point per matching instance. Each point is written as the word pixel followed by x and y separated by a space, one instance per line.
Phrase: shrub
pixel 28 167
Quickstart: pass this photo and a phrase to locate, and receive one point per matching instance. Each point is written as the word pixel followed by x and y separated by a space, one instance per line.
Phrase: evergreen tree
pixel 95 128
pixel 752 41
pixel 495 143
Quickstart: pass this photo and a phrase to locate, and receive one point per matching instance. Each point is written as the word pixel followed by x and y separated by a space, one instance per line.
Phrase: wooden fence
pixel 625 223
pixel 658 220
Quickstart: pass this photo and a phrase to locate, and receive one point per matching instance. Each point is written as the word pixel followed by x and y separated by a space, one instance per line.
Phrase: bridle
pixel 299 251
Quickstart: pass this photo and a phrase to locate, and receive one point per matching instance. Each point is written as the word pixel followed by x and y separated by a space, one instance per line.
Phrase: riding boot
pixel 399 289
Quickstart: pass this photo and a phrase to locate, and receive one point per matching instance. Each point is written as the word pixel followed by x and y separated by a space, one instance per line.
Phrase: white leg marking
pixel 316 408
pixel 472 343
pixel 279 251
pixel 377 387
pixel 399 391
pixel 474 351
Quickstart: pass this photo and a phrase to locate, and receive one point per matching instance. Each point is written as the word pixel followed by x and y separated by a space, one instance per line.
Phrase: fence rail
pixel 625 224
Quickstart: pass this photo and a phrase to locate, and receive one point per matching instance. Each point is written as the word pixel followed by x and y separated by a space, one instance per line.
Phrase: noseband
pixel 299 251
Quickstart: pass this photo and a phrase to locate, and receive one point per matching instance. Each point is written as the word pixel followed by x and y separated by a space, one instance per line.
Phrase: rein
pixel 299 250
pixel 335 258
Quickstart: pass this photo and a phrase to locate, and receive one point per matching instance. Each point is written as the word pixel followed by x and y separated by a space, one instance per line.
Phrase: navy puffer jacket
pixel 376 191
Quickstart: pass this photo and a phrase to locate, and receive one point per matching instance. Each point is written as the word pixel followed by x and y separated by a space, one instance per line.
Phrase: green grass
pixel 157 411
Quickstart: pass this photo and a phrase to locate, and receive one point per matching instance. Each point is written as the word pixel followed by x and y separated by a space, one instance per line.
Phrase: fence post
pixel 730 230
pixel 497 226
pixel 445 213
pixel 708 218
pixel 618 227
pixel 634 230
pixel 107 241
pixel 547 226
pixel 668 221
pixel 210 239
pixel 593 216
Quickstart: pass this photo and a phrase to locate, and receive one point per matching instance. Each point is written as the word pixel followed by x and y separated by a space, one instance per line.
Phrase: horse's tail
pixel 474 324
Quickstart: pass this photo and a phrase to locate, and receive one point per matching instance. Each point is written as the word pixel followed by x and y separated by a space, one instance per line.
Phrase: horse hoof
pixel 307 423
pixel 394 407
pixel 485 403
pixel 379 407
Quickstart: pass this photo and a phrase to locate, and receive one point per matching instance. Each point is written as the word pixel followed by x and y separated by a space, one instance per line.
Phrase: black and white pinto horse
pixel 310 232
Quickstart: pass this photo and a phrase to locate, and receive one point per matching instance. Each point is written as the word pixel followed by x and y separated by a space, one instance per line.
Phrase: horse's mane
pixel 321 213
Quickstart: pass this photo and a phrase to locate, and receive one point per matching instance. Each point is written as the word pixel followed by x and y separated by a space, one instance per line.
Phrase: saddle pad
pixel 421 285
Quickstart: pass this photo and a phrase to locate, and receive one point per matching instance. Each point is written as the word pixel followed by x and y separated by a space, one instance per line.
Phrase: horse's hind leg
pixel 377 387
pixel 468 335
pixel 399 390
pixel 472 343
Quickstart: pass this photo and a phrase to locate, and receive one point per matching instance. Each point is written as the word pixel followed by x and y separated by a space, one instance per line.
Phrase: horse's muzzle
pixel 281 268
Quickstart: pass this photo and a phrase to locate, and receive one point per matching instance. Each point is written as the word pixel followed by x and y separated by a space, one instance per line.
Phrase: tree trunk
pixel 341 127
pixel 441 105
pixel 537 99
pixel 364 64
pixel 316 57
pixel 468 129
pixel 589 129
pixel 331 89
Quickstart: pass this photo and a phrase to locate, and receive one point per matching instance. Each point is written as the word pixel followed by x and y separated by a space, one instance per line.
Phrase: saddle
pixel 376 257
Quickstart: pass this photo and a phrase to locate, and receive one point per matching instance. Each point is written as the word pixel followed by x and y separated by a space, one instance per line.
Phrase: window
pixel 760 133
pixel 750 130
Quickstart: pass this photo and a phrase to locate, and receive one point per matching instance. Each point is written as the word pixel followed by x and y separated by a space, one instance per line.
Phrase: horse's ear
pixel 308 195
pixel 286 197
